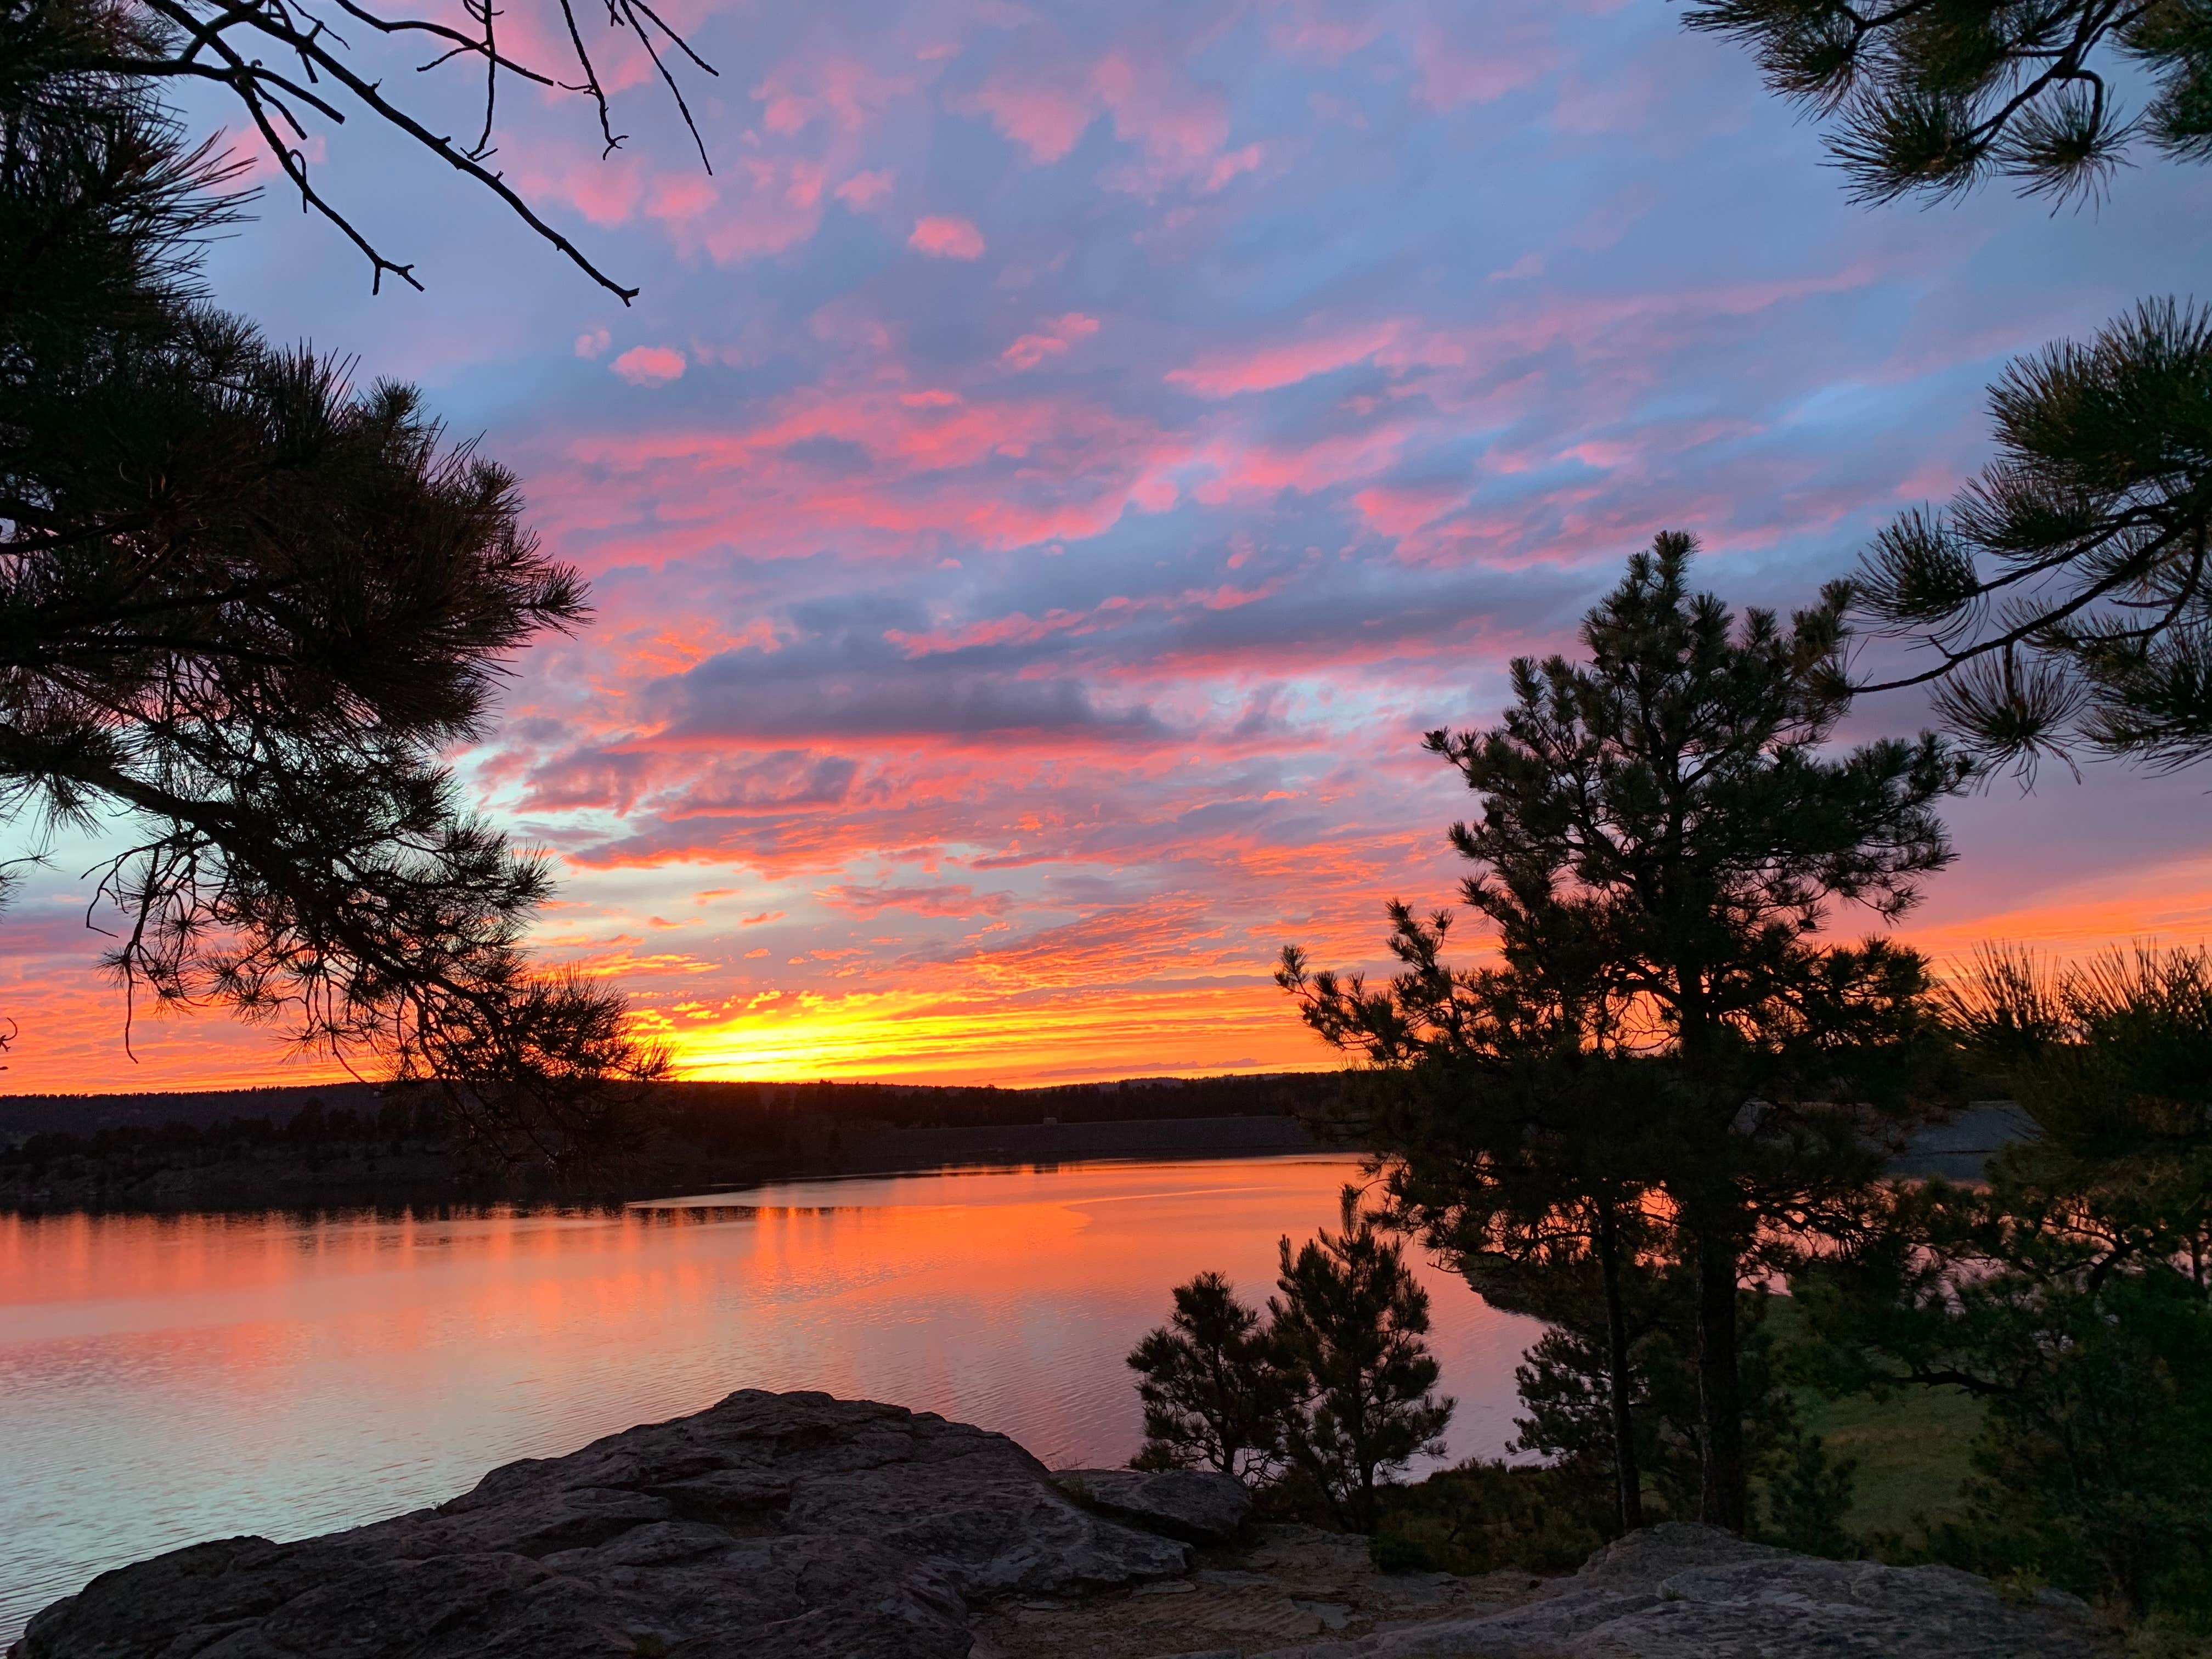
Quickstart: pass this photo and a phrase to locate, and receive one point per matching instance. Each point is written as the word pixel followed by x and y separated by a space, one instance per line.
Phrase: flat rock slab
pixel 1670 1592
pixel 1285 1586
pixel 1196 1504
pixel 768 1527
pixel 1683 1591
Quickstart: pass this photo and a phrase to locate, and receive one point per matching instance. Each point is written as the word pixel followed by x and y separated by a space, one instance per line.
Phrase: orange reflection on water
pixel 168 1379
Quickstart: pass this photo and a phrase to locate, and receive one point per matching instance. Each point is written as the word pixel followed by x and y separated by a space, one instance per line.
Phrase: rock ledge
pixel 776 1526
pixel 770 1525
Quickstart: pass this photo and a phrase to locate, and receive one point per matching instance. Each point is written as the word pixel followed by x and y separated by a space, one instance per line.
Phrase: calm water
pixel 164 1380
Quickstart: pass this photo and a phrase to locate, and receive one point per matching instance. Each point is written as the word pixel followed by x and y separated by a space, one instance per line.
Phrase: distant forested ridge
pixel 356 1142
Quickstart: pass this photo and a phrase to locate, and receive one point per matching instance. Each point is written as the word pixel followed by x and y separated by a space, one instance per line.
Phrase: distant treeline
pixel 725 1116
pixel 717 1118
pixel 400 1122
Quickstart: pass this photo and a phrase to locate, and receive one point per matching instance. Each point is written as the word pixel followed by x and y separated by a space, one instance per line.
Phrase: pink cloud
pixel 1178 131
pixel 1051 341
pixel 757 206
pixel 1341 458
pixel 864 189
pixel 1309 28
pixel 649 365
pixel 946 236
pixel 1159 111
pixel 1450 75
pixel 1010 472
pixel 680 195
pixel 1225 375
pixel 1045 120
pixel 846 92
pixel 1225 167
pixel 1401 509
pixel 605 193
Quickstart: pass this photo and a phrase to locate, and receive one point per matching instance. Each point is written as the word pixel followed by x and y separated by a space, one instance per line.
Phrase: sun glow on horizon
pixel 907 1037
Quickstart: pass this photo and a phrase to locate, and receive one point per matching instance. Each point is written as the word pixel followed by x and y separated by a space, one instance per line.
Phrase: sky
pixel 1063 458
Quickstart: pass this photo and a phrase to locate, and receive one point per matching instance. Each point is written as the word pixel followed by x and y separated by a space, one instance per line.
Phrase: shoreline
pixel 426 1178
pixel 362 1174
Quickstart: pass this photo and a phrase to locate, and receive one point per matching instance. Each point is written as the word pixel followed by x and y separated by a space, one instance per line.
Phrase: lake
pixel 165 1379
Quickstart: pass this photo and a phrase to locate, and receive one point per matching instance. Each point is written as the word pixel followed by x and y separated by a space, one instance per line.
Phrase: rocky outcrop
pixel 1196 1505
pixel 767 1526
pixel 776 1526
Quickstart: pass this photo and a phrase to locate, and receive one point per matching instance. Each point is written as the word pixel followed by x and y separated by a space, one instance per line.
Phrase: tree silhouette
pixel 1665 815
pixel 2065 592
pixel 243 610
pixel 2062 592
pixel 289 64
pixel 1936 96
pixel 1505 1120
pixel 1349 1326
pixel 1213 1392
pixel 2071 1290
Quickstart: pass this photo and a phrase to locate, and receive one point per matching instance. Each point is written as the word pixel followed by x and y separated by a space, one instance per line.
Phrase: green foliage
pixel 1805 1493
pixel 2064 591
pixel 1349 1326
pixel 1548 1517
pixel 1510 1131
pixel 1566 1378
pixel 2095 1464
pixel 1807 1499
pixel 1215 1395
pixel 1937 96
pixel 2070 1293
pixel 2170 1636
pixel 1482 1516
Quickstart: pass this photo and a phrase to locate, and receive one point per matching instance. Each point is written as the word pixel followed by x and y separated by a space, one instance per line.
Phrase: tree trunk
pixel 1628 1483
pixel 1723 1480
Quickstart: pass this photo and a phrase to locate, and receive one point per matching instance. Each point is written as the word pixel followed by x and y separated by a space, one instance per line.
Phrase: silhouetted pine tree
pixel 1938 95
pixel 244 608
pixel 2065 590
pixel 1213 1392
pixel 2063 594
pixel 1505 1121
pixel 1349 1328
pixel 1665 818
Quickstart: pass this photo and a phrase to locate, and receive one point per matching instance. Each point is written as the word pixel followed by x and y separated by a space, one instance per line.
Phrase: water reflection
pixel 165 1379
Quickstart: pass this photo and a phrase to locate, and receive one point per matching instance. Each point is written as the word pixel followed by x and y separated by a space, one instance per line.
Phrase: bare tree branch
pixel 219 44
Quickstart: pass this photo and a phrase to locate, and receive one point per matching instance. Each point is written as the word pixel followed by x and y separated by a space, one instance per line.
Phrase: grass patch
pixel 1911 1452
pixel 1913 1448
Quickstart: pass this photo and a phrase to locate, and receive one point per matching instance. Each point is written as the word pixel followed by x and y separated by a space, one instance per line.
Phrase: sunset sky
pixel 1065 456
